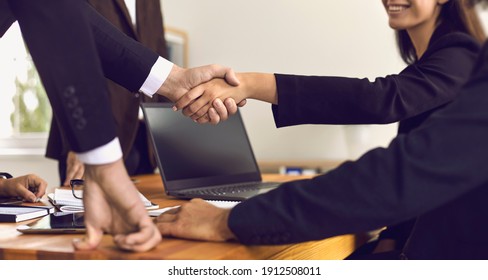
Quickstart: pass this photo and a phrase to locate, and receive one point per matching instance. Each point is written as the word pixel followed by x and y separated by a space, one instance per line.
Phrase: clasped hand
pixel 111 202
pixel 212 101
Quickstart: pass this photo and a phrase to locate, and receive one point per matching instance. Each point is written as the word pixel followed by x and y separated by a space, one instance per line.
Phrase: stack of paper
pixel 18 213
pixel 66 202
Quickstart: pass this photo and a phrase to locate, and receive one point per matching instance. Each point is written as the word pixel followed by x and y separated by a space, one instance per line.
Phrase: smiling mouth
pixel 397 8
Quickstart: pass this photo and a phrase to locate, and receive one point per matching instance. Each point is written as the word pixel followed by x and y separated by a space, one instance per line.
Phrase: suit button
pixel 80 124
pixel 72 102
pixel 77 113
pixel 69 91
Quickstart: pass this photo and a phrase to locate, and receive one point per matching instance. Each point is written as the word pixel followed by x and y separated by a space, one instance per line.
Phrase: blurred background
pixel 311 37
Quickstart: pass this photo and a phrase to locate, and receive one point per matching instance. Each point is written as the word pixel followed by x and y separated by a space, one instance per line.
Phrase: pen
pixel 11 202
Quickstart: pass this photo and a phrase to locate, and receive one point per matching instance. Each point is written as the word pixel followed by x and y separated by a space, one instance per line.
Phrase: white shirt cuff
pixel 107 153
pixel 159 73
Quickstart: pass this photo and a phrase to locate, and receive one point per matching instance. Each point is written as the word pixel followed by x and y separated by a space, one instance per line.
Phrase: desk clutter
pixel 65 201
pixel 299 170
pixel 12 213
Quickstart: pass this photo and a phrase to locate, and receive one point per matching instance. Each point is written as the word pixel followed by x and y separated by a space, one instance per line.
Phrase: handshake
pixel 206 94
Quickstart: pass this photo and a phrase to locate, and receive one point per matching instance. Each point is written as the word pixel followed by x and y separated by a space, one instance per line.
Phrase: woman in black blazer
pixel 439 40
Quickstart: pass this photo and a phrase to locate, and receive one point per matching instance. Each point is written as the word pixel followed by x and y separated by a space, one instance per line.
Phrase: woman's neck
pixel 420 36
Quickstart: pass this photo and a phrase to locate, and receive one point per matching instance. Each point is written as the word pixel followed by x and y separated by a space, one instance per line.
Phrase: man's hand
pixel 74 168
pixel 181 80
pixel 198 220
pixel 221 111
pixel 199 100
pixel 112 205
pixel 29 187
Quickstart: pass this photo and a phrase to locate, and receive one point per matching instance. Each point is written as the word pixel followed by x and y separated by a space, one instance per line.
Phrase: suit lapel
pixel 125 12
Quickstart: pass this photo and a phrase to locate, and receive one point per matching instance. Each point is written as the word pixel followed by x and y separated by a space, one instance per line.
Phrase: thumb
pixel 91 240
pixel 231 77
pixel 218 71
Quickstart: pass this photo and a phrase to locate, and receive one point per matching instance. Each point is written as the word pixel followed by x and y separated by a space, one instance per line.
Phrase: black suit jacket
pixel 73 47
pixel 408 97
pixel 437 172
pixel 124 104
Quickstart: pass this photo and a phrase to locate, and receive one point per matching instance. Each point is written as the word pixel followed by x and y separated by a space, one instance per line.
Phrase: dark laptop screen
pixel 193 155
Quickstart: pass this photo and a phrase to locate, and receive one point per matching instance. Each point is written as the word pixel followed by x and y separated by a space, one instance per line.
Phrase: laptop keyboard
pixel 230 189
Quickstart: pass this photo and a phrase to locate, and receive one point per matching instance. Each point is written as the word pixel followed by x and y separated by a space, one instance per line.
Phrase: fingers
pixel 166 218
pixel 166 227
pixel 200 112
pixel 29 187
pixel 188 98
pixel 26 194
pixel 74 168
pixel 75 172
pixel 37 185
pixel 197 220
pixel 204 119
pixel 231 78
pixel 145 239
pixel 90 241
pixel 217 71
pixel 221 109
pixel 213 116
pixel 242 103
pixel 230 105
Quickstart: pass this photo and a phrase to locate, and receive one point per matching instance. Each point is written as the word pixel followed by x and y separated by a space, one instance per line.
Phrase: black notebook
pixel 19 213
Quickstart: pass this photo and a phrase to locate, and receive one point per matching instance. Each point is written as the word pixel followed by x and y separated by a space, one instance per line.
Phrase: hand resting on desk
pixel 29 187
pixel 112 205
pixel 197 220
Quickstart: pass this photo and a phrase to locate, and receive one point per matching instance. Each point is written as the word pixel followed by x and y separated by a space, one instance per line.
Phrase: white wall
pixel 320 37
pixel 19 165
pixel 313 37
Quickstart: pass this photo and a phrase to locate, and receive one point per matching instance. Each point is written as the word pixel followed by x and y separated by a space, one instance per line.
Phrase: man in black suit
pixel 73 48
pixel 437 173
pixel 144 24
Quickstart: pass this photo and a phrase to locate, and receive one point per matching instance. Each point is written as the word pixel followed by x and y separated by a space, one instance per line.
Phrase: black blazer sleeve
pixel 6 17
pixel 424 85
pixel 437 163
pixel 124 60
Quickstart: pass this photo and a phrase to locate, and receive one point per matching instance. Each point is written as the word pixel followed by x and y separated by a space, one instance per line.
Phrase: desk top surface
pixel 14 245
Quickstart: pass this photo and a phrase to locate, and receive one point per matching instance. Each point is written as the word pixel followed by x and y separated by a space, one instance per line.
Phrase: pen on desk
pixel 11 202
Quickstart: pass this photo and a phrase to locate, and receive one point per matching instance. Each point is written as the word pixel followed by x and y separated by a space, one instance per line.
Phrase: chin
pixel 397 26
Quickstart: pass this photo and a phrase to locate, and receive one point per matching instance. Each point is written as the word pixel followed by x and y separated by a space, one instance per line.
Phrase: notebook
pixel 66 202
pixel 213 162
pixel 18 213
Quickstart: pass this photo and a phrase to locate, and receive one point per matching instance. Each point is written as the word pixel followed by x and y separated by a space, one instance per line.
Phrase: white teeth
pixel 396 8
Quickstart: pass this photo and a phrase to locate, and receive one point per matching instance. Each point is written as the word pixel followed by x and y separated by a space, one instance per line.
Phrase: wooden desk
pixel 14 245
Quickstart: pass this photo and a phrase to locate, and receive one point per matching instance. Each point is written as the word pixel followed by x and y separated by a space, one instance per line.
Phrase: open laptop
pixel 213 162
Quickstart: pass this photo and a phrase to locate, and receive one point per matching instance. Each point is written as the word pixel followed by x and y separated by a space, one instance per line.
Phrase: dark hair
pixel 474 2
pixel 458 15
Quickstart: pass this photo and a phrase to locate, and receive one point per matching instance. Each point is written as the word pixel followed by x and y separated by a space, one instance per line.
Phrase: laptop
pixel 213 162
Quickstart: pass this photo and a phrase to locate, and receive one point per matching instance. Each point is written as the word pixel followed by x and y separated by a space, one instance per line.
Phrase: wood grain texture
pixel 18 246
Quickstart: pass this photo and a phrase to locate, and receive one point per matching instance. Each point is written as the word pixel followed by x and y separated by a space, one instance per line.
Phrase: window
pixel 177 44
pixel 25 113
